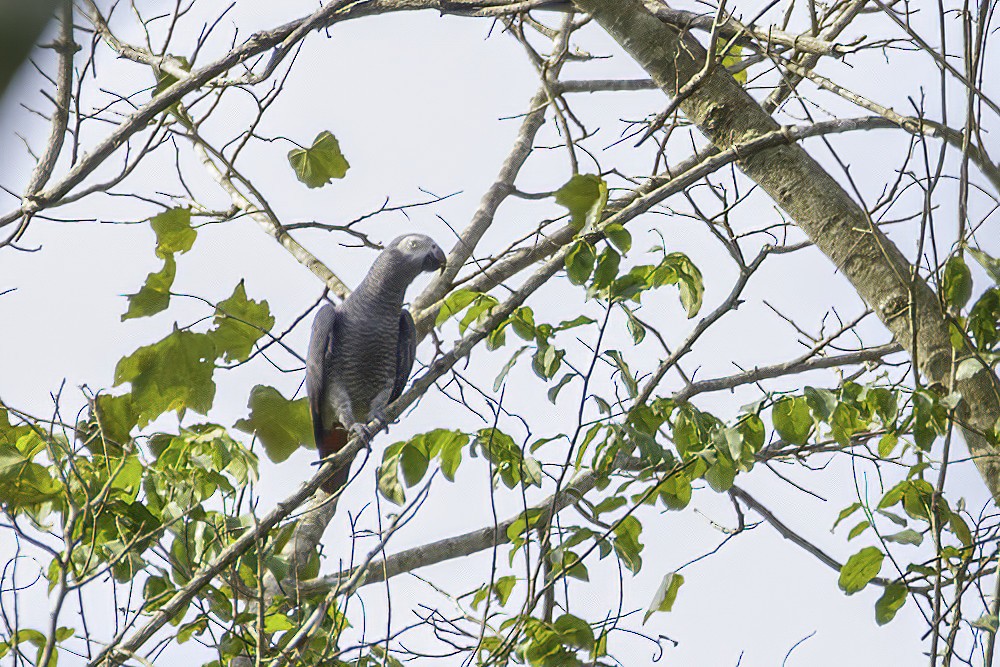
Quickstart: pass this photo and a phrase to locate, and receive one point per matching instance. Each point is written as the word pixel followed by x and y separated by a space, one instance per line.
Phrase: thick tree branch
pixel 648 195
pixel 60 115
pixel 793 367
pixel 210 74
pixel 64 90
pixel 131 642
pixel 792 536
pixel 266 219
pixel 747 35
pixel 876 268
pixel 489 204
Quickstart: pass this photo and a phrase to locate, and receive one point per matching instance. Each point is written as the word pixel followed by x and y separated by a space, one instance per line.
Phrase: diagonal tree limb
pixel 66 47
pixel 488 205
pixel 265 218
pixel 64 90
pixel 131 642
pixel 792 367
pixel 657 189
pixel 880 273
pixel 794 537
pixel 949 135
pixel 748 35
pixel 807 61
pixel 209 75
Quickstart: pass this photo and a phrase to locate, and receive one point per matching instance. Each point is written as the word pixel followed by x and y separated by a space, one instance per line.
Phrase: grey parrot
pixel 361 351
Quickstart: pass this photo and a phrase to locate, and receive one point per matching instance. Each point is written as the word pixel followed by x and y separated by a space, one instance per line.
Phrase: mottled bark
pixel 728 116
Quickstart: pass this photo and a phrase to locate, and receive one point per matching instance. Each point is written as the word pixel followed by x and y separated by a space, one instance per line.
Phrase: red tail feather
pixel 331 442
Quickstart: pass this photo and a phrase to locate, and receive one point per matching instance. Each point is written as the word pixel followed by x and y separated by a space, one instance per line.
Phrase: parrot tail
pixel 329 442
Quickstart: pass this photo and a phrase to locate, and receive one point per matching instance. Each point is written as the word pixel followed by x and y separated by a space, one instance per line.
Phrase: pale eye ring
pixel 413 244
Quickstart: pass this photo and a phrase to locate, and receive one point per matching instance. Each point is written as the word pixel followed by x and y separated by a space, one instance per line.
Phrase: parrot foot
pixel 362 432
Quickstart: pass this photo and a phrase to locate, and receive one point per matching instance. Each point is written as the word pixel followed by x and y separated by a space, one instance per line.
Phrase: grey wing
pixel 406 351
pixel 318 363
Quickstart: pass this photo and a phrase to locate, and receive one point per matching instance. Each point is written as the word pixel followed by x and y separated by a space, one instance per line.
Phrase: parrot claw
pixel 365 434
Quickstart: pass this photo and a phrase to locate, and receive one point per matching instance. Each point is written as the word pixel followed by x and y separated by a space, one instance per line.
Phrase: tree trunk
pixel 728 116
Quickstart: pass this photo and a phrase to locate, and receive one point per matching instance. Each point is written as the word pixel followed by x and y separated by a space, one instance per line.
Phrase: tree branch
pixel 881 274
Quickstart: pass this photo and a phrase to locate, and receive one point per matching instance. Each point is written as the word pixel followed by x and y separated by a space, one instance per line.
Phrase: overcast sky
pixel 421 102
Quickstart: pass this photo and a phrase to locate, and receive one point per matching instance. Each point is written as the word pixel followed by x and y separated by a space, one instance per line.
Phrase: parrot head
pixel 417 251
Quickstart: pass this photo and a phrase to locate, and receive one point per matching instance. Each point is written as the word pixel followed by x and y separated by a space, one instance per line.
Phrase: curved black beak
pixel 435 260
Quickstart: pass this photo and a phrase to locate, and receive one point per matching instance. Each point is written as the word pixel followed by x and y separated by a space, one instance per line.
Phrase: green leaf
pixel 172 374
pixel 585 195
pixel 887 444
pixel 173 232
pixel 188 630
pixel 751 427
pixel 858 529
pixel 503 588
pixel 908 536
pixel 721 475
pixel 991 264
pixel 619 236
pixel 30 636
pixel 895 518
pixel 845 422
pixel 956 283
pixel 479 310
pixel 413 462
pixel 450 450
pixel 792 419
pixel 688 278
pixel 280 424
pixel 129 478
pixel 625 373
pixel 892 600
pixel 665 595
pixel 687 430
pixel 822 402
pixel 885 403
pixel 731 57
pixel 317 165
pixel 607 268
pixel 388 480
pixel 553 392
pixel 860 569
pixel 575 632
pixel 277 623
pixel 930 418
pixel 523 323
pixel 578 321
pixel 626 543
pixel 154 295
pixel 675 491
pixel 24 482
pixel 239 323
pixel 580 262
pixel 546 361
pixel 988 622
pixel 984 318
pixel 609 504
pixel 844 513
pixel 116 417
pixel 635 327
pixel 164 80
pixel 960 529
pixel 517 531
pixel 456 302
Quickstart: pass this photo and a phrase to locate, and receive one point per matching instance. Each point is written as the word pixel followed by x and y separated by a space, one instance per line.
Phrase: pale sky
pixel 420 101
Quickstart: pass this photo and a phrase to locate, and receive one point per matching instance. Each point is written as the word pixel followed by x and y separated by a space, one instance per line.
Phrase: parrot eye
pixel 413 244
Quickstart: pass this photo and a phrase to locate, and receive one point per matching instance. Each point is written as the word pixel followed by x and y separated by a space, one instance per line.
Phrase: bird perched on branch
pixel 361 351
